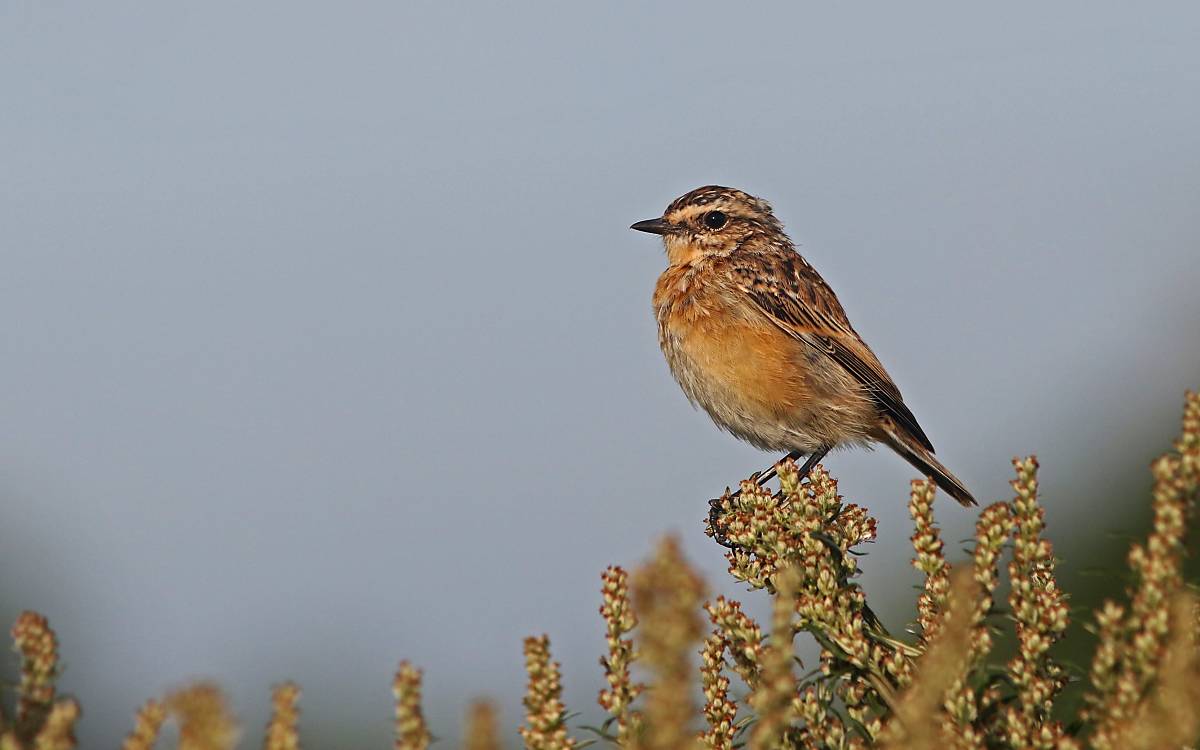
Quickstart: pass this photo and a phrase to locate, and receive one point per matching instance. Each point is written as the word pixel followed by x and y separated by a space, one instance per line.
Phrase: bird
pixel 757 339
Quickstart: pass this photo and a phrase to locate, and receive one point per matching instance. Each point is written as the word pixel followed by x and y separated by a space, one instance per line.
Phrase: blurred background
pixel 325 342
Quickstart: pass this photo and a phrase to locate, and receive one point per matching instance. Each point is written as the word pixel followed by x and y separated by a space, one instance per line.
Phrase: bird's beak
pixel 653 226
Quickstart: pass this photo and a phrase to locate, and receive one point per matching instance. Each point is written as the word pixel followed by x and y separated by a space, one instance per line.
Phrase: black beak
pixel 653 226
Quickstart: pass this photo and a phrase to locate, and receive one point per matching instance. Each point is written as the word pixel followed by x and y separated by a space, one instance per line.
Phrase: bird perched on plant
pixel 755 336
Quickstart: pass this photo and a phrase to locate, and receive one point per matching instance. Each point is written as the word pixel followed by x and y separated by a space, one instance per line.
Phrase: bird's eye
pixel 715 219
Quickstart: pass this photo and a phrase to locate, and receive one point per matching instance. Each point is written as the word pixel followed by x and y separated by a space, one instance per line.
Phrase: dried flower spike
pixel 38 646
pixel 281 730
pixel 146 726
pixel 1040 610
pixel 1132 639
pixel 742 636
pixel 205 722
pixel 930 560
pixel 1170 716
pixel 991 532
pixel 545 716
pixel 619 622
pixel 719 711
pixel 666 597
pixel 411 732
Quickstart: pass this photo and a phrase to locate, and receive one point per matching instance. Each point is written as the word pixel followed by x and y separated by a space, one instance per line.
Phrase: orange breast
pixel 753 379
pixel 756 365
pixel 725 354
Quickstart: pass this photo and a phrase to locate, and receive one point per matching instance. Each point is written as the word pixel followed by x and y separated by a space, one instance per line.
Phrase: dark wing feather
pixel 795 297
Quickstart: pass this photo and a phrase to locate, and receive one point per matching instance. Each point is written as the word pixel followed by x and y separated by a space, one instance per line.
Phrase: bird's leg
pixel 768 473
pixel 716 511
pixel 813 459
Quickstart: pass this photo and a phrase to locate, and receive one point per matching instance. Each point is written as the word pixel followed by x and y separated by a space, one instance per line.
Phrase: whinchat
pixel 755 336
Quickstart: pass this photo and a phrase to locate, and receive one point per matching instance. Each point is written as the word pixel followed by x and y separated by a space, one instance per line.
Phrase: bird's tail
pixel 922 458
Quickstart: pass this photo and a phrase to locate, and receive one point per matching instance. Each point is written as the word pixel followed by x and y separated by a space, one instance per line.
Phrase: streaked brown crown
pixel 735 203
pixel 713 196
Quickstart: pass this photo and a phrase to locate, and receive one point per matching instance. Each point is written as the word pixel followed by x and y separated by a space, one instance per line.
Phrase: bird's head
pixel 711 220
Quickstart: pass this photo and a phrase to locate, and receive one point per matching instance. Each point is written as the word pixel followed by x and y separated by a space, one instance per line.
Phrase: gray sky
pixel 326 343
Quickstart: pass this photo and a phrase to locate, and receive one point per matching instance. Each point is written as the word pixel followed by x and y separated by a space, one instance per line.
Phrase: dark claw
pixel 714 521
pixel 723 540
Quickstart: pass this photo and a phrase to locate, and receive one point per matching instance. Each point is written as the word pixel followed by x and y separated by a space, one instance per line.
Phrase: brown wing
pixel 795 298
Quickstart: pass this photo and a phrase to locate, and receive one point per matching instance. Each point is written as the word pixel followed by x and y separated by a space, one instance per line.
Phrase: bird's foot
pixel 716 526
